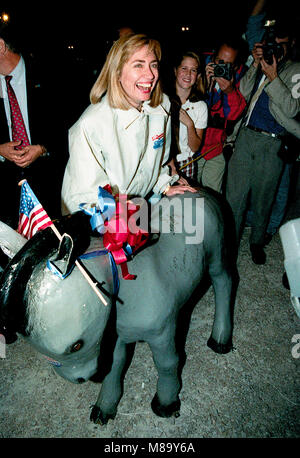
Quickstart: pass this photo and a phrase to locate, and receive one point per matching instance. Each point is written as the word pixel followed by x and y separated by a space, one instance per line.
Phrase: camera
pixel 271 47
pixel 222 70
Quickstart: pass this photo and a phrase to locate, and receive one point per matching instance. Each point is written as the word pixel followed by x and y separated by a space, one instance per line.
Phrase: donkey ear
pixel 10 240
pixel 63 263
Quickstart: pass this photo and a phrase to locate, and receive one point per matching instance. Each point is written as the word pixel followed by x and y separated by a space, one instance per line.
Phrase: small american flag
pixel 32 216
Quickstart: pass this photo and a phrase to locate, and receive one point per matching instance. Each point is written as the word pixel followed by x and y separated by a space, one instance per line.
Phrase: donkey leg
pixel 166 400
pixel 112 386
pixel 220 339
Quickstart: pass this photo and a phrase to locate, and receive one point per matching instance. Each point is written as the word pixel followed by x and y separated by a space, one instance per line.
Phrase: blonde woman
pixel 123 137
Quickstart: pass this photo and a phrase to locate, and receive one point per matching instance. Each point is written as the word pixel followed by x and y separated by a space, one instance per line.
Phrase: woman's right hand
pixel 182 181
pixel 179 189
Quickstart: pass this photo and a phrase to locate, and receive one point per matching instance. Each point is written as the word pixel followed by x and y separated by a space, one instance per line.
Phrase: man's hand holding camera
pixel 226 85
pixel 269 69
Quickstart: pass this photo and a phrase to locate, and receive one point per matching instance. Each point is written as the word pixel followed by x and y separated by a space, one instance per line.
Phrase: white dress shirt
pixel 18 83
pixel 123 148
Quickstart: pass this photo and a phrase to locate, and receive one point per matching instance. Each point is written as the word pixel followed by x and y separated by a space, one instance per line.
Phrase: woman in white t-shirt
pixel 189 112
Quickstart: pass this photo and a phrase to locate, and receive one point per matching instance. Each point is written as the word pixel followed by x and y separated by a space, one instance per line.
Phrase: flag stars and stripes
pixel 32 216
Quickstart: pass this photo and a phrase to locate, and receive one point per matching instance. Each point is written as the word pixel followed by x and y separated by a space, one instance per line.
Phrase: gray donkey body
pixel 65 320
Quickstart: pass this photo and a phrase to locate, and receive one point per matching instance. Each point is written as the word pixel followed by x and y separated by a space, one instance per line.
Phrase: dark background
pixel 90 26
pixel 70 40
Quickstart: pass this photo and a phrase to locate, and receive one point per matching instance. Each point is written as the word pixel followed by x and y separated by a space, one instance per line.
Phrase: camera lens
pixel 219 71
pixel 270 49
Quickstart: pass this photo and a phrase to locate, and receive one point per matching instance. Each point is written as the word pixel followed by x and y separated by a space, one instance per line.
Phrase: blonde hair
pixel 109 79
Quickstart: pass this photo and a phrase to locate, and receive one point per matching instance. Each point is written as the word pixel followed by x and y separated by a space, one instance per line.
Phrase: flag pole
pixel 199 157
pixel 80 267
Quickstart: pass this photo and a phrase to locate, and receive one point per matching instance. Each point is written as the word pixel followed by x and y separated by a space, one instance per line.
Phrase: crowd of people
pixel 217 121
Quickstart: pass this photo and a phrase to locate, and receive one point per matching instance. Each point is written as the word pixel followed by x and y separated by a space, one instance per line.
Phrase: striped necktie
pixel 18 126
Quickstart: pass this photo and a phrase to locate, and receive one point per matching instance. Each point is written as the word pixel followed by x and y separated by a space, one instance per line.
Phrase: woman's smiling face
pixel 187 72
pixel 139 76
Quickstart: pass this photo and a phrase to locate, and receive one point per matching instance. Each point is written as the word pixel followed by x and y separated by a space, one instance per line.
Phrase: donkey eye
pixel 77 346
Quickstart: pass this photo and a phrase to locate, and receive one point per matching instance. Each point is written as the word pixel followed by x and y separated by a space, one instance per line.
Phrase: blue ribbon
pixel 105 209
pixel 56 271
pixel 116 282
pixel 102 212
pixel 114 269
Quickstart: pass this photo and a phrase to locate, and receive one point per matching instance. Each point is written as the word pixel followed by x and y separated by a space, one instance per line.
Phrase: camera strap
pixel 255 96
pixel 255 91
pixel 258 88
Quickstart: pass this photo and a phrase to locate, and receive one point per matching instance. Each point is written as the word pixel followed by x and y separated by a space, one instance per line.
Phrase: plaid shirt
pixel 190 171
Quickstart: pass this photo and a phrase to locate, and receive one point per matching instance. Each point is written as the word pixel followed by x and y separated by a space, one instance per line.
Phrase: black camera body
pixel 223 70
pixel 270 49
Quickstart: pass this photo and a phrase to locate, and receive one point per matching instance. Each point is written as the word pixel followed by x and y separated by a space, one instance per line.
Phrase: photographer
pixel 255 167
pixel 225 105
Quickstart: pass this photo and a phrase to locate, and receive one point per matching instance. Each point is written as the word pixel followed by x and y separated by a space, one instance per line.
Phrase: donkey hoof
pixel 100 418
pixel 165 411
pixel 219 347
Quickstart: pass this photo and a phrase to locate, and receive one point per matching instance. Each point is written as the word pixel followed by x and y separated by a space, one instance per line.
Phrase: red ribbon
pixel 119 237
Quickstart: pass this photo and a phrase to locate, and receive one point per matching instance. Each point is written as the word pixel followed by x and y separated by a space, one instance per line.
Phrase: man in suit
pixel 256 166
pixel 34 156
pixel 34 160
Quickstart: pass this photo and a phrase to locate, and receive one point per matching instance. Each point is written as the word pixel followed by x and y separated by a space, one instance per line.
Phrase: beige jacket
pixel 284 104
